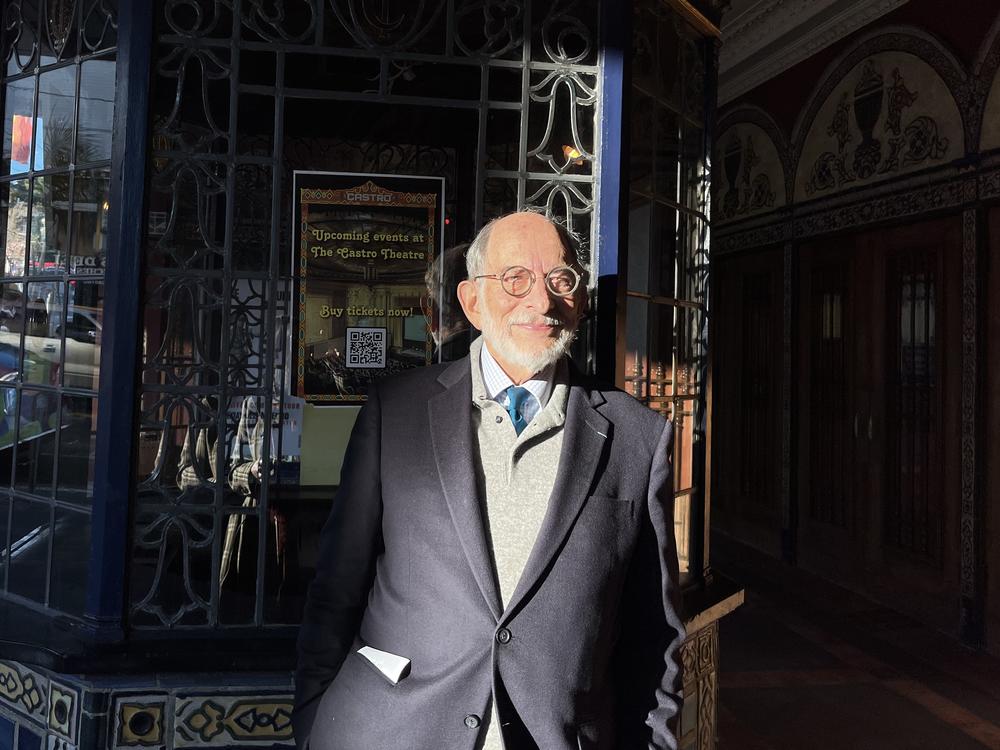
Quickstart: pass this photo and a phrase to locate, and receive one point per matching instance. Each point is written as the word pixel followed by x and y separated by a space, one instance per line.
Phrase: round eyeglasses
pixel 518 281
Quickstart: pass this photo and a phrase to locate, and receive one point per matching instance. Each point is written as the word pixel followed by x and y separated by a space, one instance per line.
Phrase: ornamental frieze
pixel 890 115
pixel 751 178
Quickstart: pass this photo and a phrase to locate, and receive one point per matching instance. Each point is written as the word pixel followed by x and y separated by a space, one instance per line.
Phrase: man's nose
pixel 539 297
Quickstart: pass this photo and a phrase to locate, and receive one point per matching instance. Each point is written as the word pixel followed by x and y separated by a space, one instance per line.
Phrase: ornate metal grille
pixel 831 451
pixel 913 514
pixel 57 101
pixel 667 279
pixel 499 96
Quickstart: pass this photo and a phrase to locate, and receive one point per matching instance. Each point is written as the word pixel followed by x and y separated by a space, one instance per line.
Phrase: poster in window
pixel 365 244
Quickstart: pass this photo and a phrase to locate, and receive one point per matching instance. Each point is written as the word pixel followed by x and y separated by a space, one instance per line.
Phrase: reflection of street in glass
pixel 44 344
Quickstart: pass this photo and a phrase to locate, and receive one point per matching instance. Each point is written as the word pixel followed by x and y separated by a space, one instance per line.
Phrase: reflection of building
pixel 176 541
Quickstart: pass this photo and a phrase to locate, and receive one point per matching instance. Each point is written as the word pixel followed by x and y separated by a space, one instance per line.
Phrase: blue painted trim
pixel 612 199
pixel 116 418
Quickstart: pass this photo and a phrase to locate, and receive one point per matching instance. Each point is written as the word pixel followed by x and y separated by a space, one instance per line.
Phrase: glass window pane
pixel 35 460
pixel 17 126
pixel 667 153
pixel 91 203
pixel 4 528
pixel 661 357
pixel 11 323
pixel 694 174
pixel 14 209
pixel 284 582
pixel 664 255
pixel 42 345
pixel 29 549
pixel 641 149
pixel 77 443
pixel 82 329
pixel 55 119
pixel 49 223
pixel 97 106
pixel 638 244
pixel 70 561
pixel 636 354
pixel 238 564
pixel 8 434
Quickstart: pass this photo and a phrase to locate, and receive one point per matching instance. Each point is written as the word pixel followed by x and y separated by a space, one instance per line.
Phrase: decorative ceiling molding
pixel 770 36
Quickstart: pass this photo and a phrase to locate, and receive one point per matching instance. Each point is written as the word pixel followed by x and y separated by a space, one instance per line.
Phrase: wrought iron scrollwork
pixel 208 66
pixel 272 21
pixel 99 29
pixel 566 39
pixel 217 265
pixel 492 28
pixel 387 24
pixel 20 37
pixel 563 200
pixel 578 96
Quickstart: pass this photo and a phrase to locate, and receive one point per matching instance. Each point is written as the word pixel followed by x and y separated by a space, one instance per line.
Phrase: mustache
pixel 534 320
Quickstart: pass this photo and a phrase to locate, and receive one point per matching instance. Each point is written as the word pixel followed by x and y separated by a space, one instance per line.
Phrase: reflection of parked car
pixel 42 348
pixel 83 324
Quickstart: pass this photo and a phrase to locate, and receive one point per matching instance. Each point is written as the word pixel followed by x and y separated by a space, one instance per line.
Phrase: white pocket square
pixel 393 668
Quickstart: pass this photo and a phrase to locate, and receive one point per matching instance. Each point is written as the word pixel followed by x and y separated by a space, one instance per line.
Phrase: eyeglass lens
pixel 561 281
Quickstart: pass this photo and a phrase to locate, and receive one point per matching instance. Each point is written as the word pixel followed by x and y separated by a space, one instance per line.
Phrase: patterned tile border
pixel 223 720
pixel 74 714
pixel 24 691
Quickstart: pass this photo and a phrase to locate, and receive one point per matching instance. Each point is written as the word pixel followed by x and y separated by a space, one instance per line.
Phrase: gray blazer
pixel 586 654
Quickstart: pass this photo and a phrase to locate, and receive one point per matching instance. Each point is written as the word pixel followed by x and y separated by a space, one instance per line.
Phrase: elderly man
pixel 498 569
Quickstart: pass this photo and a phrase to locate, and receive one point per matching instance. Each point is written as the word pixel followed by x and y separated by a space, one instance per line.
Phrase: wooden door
pixel 830 408
pixel 913 488
pixel 879 398
pixel 746 392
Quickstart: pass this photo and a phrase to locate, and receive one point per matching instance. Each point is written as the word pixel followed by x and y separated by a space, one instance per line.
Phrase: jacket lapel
pixel 584 434
pixel 452 442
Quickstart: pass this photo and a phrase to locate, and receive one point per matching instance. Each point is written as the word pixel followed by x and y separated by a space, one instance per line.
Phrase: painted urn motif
pixel 868 97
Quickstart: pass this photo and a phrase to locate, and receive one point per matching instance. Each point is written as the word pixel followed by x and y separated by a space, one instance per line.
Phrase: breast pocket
pixel 617 499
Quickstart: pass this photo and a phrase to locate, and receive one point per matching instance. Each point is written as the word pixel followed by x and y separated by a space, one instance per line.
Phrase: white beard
pixel 503 346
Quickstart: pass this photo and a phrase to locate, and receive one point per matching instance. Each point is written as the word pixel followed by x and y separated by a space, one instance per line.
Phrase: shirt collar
pixel 497 381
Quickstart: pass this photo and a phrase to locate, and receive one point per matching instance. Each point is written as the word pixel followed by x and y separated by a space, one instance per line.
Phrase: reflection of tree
pixel 53 191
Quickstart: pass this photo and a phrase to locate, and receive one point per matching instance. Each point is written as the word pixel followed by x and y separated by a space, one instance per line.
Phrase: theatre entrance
pixel 878 397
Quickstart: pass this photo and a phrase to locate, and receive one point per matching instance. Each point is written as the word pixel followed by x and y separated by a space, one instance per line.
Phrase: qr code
pixel 366 347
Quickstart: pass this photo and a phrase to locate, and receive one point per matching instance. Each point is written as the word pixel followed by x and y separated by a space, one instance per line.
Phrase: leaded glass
pixel 58 90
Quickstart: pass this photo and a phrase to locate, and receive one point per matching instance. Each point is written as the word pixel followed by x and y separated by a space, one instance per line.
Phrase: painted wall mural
pixel 990 137
pixel 750 180
pixel 892 114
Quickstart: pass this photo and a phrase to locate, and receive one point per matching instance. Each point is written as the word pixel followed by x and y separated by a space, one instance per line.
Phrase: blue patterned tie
pixel 517 397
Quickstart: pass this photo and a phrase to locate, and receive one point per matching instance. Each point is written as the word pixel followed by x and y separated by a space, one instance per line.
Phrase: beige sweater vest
pixel 516 474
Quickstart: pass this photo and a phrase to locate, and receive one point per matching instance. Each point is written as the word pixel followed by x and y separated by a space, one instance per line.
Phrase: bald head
pixel 524 223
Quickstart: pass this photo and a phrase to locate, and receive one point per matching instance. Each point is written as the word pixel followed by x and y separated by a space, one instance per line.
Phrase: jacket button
pixel 499 419
pixel 503 635
pixel 472 721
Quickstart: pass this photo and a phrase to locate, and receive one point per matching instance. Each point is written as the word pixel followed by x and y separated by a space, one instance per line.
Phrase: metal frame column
pixel 116 429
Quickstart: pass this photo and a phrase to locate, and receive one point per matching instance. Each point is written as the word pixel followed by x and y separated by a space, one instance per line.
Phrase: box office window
pixel 236 467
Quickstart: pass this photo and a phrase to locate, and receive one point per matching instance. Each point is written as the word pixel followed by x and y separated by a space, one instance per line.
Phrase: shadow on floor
pixel 806 665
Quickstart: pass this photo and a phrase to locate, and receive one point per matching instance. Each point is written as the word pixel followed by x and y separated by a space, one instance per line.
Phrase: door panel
pixel 913 501
pixel 829 405
pixel 746 388
pixel 879 399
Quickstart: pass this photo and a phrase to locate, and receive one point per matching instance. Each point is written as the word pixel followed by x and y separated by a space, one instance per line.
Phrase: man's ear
pixel 468 297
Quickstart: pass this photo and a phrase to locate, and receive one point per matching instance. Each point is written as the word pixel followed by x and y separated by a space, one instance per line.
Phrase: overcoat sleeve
pixel 350 544
pixel 652 631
